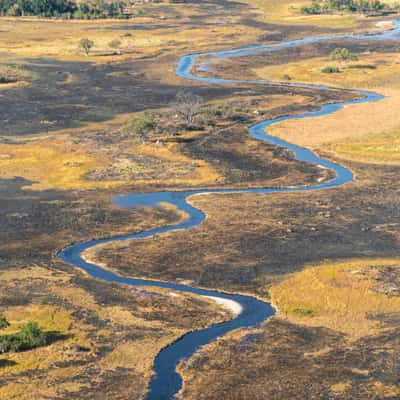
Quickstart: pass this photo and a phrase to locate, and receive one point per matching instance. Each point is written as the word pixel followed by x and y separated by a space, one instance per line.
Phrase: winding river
pixel 166 381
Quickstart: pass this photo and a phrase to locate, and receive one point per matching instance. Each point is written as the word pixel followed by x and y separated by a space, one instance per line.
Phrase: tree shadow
pixel 55 336
pixel 7 363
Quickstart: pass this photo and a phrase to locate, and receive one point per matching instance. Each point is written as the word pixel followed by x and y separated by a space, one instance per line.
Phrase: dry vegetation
pixel 336 336
pixel 355 132
pixel 341 296
pixel 32 37
pixel 288 12
pixel 100 333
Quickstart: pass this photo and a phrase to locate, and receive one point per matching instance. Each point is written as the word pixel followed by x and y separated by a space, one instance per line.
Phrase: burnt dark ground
pixel 287 361
pixel 271 235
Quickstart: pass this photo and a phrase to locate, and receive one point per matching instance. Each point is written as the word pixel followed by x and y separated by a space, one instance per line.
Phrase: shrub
pixel 28 337
pixel 86 45
pixel 3 322
pixel 343 54
pixel 31 335
pixel 64 8
pixel 315 8
pixel 303 312
pixel 330 70
pixel 344 5
pixel 139 125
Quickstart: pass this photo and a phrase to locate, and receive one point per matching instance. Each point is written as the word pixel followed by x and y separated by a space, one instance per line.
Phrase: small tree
pixel 343 54
pixel 86 45
pixel 3 322
pixel 187 106
pixel 315 8
pixel 32 335
pixel 140 124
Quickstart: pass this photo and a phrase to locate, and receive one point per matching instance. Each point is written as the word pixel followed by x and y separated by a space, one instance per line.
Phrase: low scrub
pixel 343 54
pixel 140 124
pixel 330 70
pixel 65 8
pixel 28 337
pixel 354 6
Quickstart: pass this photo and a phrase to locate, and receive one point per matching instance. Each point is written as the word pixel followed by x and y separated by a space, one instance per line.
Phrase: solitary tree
pixel 86 45
pixel 187 106
pixel 343 54
pixel 3 322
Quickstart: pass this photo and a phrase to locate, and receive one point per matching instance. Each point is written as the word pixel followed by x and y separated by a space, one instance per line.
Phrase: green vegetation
pixel 28 337
pixel 325 6
pixel 343 54
pixel 141 124
pixel 64 8
pixel 3 322
pixel 303 312
pixel 329 69
pixel 86 45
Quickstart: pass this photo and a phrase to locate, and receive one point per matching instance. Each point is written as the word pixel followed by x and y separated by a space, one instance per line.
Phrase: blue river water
pixel 166 381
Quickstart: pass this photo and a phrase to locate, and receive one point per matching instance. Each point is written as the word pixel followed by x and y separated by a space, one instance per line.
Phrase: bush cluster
pixel 63 8
pixel 28 337
pixel 330 70
pixel 140 124
pixel 319 7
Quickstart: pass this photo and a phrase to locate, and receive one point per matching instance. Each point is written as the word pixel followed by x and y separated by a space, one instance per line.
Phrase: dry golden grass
pixel 85 321
pixel 61 164
pixel 30 37
pixel 51 164
pixel 340 388
pixel 381 148
pixel 383 391
pixel 365 132
pixel 288 12
pixel 371 71
pixel 49 318
pixel 336 295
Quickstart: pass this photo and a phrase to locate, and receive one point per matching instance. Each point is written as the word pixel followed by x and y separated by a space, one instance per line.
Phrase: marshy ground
pixel 65 152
